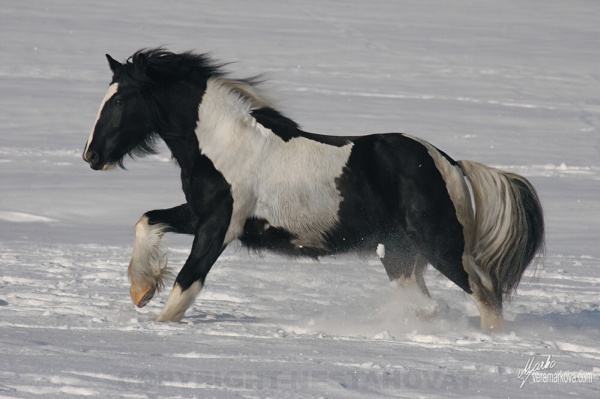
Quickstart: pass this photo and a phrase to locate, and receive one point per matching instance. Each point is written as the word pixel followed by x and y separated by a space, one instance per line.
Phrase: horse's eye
pixel 118 102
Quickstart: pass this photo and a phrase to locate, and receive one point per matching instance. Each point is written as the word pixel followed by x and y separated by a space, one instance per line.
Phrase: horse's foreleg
pixel 148 265
pixel 208 245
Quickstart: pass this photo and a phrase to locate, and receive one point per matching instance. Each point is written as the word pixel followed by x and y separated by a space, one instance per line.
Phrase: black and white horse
pixel 250 173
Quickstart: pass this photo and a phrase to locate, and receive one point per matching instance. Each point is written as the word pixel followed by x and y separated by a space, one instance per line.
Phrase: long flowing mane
pixel 150 66
pixel 154 69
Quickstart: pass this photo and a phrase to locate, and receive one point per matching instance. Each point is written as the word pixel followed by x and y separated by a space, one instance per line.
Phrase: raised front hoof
pixel 141 298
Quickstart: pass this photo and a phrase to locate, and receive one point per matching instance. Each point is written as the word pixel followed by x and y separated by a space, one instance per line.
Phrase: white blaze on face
pixel 112 89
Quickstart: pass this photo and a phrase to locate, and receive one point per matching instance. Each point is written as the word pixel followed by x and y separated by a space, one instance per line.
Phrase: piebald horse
pixel 249 173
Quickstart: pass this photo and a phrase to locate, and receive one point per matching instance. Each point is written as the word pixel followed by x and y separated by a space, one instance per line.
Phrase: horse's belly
pixel 307 211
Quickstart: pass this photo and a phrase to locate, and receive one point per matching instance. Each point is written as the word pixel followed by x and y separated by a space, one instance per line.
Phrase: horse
pixel 250 173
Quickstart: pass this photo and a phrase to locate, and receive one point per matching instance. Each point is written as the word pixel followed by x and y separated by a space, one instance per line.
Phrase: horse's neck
pixel 226 131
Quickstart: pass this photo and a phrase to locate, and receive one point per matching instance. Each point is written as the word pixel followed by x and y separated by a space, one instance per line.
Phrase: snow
pixel 510 84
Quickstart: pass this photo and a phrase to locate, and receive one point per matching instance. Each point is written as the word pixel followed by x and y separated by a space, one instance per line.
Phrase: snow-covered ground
pixel 513 84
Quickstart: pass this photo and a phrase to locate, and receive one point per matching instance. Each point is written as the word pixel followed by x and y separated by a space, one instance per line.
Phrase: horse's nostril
pixel 92 157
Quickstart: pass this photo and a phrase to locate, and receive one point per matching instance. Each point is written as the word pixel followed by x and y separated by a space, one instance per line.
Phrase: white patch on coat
pixel 381 251
pixel 179 301
pixel 290 184
pixel 112 89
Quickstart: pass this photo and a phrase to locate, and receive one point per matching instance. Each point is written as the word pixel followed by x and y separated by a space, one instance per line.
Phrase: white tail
pixel 508 231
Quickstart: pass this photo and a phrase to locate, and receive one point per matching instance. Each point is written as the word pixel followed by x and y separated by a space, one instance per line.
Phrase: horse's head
pixel 123 124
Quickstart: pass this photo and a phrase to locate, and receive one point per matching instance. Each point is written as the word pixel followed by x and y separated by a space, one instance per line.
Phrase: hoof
pixel 165 319
pixel 141 298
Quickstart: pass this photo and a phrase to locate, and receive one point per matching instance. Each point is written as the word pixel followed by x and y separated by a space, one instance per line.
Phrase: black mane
pixel 151 69
pixel 147 66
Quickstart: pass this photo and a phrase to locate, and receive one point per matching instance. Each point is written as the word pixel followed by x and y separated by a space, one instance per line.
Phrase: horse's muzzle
pixel 93 158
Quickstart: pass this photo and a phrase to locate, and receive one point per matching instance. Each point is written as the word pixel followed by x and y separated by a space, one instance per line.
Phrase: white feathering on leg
pixel 179 301
pixel 148 266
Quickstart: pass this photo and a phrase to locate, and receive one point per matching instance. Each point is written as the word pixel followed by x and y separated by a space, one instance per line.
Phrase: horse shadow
pixel 586 319
pixel 583 321
pixel 549 323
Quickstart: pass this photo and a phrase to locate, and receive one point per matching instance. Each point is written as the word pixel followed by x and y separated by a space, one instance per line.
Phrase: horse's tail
pixel 509 225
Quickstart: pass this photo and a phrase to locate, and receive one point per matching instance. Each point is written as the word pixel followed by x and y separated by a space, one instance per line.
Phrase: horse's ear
pixel 114 64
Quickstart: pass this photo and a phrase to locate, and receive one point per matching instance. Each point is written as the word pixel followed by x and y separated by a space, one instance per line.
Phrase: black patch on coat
pixel 287 129
pixel 260 235
pixel 392 192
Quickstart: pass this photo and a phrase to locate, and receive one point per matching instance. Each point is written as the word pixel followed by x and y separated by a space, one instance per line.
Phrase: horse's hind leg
pixel 402 261
pixel 148 265
pixel 487 299
pixel 406 268
pixel 490 312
